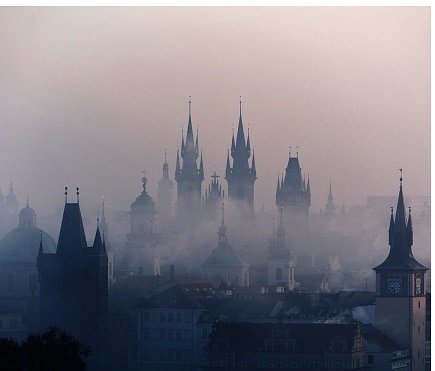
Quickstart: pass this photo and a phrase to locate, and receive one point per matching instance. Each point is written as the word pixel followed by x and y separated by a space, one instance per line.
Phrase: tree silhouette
pixel 52 350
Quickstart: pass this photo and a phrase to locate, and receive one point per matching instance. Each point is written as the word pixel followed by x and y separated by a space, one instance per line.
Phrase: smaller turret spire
pixel 223 229
pixel 391 229
pixel 40 243
pixel 66 194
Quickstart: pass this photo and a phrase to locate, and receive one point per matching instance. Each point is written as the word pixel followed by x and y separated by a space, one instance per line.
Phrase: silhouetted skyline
pixel 91 97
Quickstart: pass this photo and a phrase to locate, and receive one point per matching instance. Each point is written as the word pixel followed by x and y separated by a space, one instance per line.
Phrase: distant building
pixel 330 210
pixel 189 176
pixel 240 176
pixel 164 197
pixel 401 290
pixel 19 287
pixel 281 265
pixel 73 281
pixel 173 327
pixel 141 255
pixel 293 194
pixel 214 195
pixel 223 265
pixel 301 346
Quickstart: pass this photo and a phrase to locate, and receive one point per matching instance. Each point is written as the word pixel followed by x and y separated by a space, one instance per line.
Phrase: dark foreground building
pixel 73 281
pixel 300 346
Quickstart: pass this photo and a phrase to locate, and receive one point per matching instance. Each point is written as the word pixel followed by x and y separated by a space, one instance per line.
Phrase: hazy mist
pixel 91 97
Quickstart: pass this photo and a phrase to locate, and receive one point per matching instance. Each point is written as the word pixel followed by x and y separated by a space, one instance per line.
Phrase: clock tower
pixel 401 289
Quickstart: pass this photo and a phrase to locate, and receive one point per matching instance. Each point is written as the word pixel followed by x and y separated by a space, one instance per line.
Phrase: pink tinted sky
pixel 90 97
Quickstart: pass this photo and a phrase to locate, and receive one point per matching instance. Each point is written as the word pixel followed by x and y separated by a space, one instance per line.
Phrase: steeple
pixel 400 239
pixel 241 176
pixel 165 168
pixel 188 175
pixel 330 207
pixel 222 229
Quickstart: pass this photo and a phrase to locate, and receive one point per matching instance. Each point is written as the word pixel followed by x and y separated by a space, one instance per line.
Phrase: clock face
pixel 394 287
pixel 418 286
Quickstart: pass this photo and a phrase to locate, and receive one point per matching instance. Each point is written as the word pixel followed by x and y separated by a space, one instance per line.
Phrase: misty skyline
pixel 91 97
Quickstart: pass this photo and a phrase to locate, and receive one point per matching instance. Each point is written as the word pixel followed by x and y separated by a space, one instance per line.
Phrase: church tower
pixel 401 289
pixel 164 196
pixel 214 196
pixel 281 267
pixel 294 196
pixel 329 210
pixel 73 281
pixel 241 177
pixel 188 176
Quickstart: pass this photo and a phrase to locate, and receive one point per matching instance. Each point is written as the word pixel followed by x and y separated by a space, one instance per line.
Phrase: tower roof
pixel 400 240
pixel 72 239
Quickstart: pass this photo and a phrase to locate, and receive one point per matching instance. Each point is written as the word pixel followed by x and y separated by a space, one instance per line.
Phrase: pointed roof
pixel 400 239
pixel 72 239
pixel 189 135
pixel 240 141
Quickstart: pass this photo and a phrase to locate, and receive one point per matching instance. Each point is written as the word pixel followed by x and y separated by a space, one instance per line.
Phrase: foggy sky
pixel 90 97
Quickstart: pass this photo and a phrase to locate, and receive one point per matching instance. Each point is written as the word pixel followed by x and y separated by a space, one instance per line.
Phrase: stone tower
pixel 294 196
pixel 401 289
pixel 73 281
pixel 329 210
pixel 164 196
pixel 241 177
pixel 280 265
pixel 188 176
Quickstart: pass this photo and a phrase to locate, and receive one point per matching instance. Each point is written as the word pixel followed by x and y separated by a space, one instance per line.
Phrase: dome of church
pixel 22 243
pixel 143 204
pixel 27 212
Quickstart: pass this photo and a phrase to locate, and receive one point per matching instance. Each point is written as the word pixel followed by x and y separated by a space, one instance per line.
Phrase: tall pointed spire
pixel 189 134
pixel 228 167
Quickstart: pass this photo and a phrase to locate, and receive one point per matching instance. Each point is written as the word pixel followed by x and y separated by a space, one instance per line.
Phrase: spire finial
pixel 77 194
pixel 289 151
pixel 297 151
pixel 98 219
pixel 240 102
pixel 27 201
pixel 66 194
pixel 165 155
pixel 190 106
pixel 401 177
pixel 391 210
